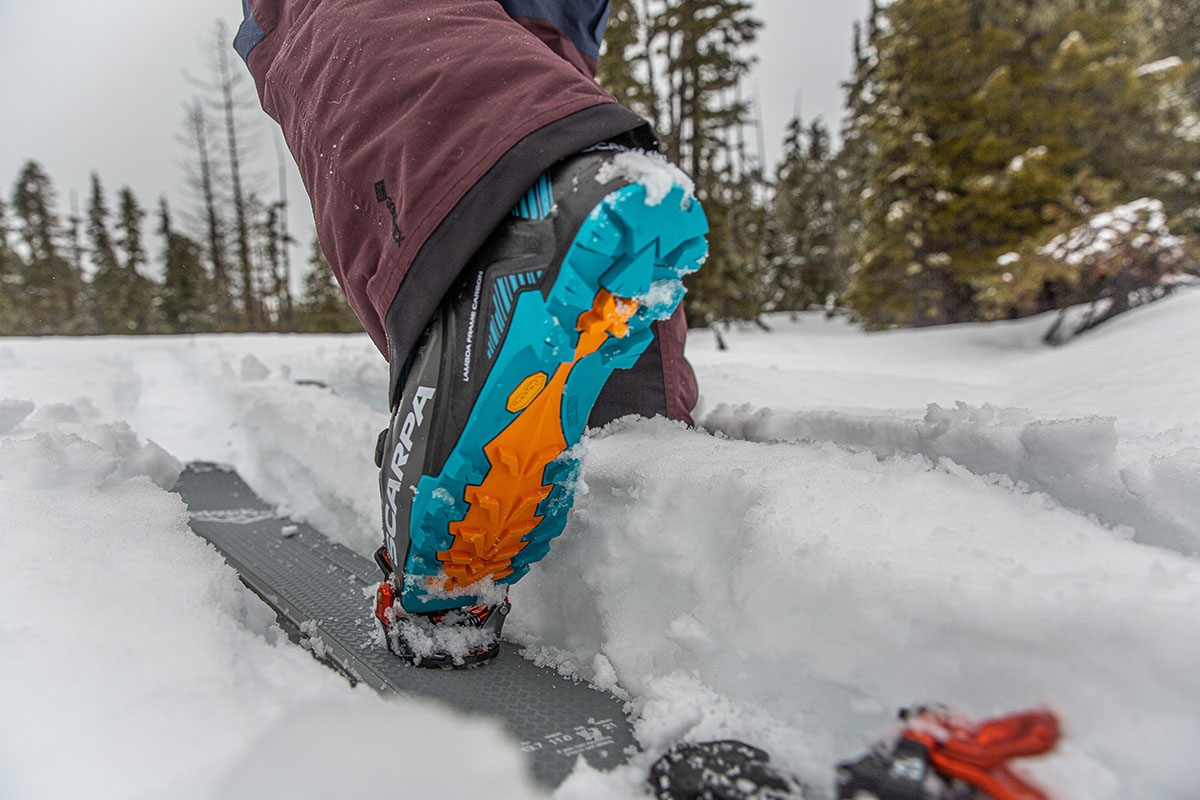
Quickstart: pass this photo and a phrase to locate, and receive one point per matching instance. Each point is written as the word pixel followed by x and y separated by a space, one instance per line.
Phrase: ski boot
pixel 476 473
pixel 939 756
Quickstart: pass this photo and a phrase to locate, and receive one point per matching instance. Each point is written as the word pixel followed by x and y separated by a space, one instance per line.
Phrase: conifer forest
pixel 994 160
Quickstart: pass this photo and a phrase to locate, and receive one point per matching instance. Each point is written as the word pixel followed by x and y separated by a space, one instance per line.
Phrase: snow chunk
pixel 1162 65
pixel 898 211
pixel 1077 462
pixel 253 370
pixel 101 454
pixel 49 461
pixel 1018 163
pixel 660 300
pixel 325 476
pixel 13 413
pixel 1072 39
pixel 1104 232
pixel 426 639
pixel 652 171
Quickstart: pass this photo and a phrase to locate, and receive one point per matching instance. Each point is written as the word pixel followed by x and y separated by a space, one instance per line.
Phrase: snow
pixel 424 639
pixel 1104 231
pixel 1162 65
pixel 864 522
pixel 652 170
pixel 1019 162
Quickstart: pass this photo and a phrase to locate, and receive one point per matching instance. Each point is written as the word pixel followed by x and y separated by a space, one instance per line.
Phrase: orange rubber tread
pixel 503 507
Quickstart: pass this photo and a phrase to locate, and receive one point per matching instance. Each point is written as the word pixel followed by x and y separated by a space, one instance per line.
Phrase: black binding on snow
pixel 724 770
pixel 943 755
pixel 902 771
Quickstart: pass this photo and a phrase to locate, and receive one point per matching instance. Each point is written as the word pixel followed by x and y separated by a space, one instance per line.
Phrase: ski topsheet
pixel 324 591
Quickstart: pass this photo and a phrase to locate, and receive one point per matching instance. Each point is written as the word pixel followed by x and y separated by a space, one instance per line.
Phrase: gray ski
pixel 320 591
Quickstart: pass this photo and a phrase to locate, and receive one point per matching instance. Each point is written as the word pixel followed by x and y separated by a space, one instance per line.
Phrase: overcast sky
pixel 98 85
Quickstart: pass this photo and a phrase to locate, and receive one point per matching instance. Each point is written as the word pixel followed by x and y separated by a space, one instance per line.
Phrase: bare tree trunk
pixel 203 179
pixel 674 98
pixel 646 37
pixel 697 146
pixel 286 311
pixel 250 302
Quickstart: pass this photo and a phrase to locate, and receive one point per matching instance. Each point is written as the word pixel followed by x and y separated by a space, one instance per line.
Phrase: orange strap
pixel 978 753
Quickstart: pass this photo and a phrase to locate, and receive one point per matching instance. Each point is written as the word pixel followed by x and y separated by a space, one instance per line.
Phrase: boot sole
pixel 509 482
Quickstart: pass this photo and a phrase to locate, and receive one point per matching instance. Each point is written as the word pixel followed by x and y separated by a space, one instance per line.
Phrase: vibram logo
pixel 524 394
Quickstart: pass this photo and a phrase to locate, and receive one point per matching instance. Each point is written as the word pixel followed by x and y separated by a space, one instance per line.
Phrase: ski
pixel 321 592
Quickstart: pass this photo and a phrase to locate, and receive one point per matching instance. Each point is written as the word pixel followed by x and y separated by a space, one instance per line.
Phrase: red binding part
pixel 978 753
pixel 385 596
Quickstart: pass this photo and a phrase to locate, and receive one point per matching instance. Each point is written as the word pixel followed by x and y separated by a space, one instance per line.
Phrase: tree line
pixel 997 159
pixel 226 266
pixel 91 274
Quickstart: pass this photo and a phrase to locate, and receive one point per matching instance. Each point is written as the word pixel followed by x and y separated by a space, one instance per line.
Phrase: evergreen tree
pixel 703 45
pixel 323 307
pixel 1181 38
pixel 731 285
pixel 142 302
pixel 853 162
pixel 50 288
pixel 131 253
pixel 281 258
pixel 803 223
pixel 272 244
pixel 10 278
pixel 679 64
pixel 123 300
pixel 626 71
pixel 1170 29
pixel 75 251
pixel 696 58
pixel 987 128
pixel 108 289
pixel 185 298
pixel 264 256
pixel 1174 27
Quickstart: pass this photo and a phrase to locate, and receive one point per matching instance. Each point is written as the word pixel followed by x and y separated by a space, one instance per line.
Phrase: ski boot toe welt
pixel 453 639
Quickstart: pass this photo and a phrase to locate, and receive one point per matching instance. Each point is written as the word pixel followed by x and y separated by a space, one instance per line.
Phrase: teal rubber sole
pixel 507 487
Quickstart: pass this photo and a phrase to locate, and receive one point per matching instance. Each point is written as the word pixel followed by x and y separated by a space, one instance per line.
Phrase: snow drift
pixel 863 522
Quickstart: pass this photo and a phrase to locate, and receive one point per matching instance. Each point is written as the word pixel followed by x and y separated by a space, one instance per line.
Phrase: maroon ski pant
pixel 418 125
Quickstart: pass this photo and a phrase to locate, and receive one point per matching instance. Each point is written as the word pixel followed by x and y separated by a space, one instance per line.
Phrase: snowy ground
pixel 869 521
